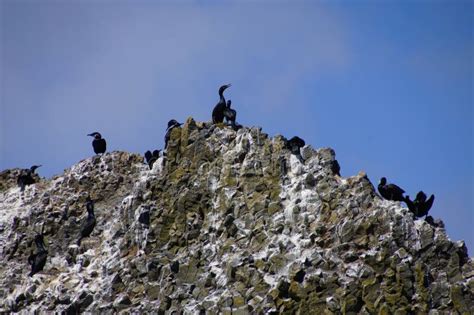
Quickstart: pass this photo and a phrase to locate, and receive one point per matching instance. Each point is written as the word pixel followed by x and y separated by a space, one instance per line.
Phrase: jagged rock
pixel 227 222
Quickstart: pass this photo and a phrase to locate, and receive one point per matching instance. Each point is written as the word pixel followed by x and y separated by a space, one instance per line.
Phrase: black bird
pixel 152 157
pixel 218 111
pixel 26 177
pixel 336 168
pixel 89 223
pixel 420 206
pixel 230 115
pixel 294 145
pixel 38 260
pixel 171 124
pixel 99 144
pixel 390 191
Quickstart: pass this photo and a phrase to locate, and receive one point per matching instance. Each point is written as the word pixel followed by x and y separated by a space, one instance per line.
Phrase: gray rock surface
pixel 220 226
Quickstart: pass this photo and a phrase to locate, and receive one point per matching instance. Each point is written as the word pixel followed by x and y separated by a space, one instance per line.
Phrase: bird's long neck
pixel 90 214
pixel 221 95
pixel 222 99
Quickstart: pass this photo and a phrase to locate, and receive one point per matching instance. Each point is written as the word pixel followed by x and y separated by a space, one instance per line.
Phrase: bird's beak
pixel 229 85
pixel 90 135
pixel 39 166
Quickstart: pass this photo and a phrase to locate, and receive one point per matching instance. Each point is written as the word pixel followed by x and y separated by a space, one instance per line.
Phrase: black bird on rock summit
pixel 420 206
pixel 99 144
pixel 151 158
pixel 336 168
pixel 171 125
pixel 26 177
pixel 89 223
pixel 218 111
pixel 38 260
pixel 230 114
pixel 390 191
pixel 294 145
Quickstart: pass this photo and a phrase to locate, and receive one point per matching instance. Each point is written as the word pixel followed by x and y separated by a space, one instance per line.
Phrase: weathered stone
pixel 226 222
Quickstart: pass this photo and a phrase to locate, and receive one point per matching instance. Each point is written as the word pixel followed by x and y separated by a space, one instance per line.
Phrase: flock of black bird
pixel 419 206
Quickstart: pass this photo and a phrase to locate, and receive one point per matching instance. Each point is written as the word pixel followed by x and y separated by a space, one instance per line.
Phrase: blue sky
pixel 388 85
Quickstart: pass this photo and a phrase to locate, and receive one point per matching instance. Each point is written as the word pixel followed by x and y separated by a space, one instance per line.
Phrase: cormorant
pixel 218 111
pixel 38 260
pixel 152 157
pixel 171 124
pixel 294 145
pixel 26 177
pixel 99 144
pixel 230 115
pixel 390 191
pixel 420 206
pixel 335 168
pixel 89 223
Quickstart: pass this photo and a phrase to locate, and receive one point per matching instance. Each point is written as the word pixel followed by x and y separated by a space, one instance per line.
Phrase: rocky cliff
pixel 228 222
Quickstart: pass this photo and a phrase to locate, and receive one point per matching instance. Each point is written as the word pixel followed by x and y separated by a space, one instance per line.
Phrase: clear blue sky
pixel 387 84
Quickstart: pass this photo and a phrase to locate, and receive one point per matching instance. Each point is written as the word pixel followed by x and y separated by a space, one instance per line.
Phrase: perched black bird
pixel 230 115
pixel 26 177
pixel 152 157
pixel 390 191
pixel 148 156
pixel 171 124
pixel 99 144
pixel 38 260
pixel 218 111
pixel 294 145
pixel 89 223
pixel 420 206
pixel 335 168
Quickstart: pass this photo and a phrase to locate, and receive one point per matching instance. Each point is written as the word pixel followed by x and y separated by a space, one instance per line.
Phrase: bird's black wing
pixel 429 203
pixel 31 258
pixel 395 189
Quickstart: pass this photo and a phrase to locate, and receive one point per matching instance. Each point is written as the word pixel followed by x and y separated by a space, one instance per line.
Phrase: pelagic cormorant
pixel 390 191
pixel 171 124
pixel 38 259
pixel 99 144
pixel 230 115
pixel 336 168
pixel 218 111
pixel 26 177
pixel 294 145
pixel 89 224
pixel 420 206
pixel 151 158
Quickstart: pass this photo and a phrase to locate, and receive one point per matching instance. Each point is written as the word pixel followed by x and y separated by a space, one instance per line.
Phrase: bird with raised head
pixel 173 123
pixel 26 177
pixel 218 111
pixel 99 144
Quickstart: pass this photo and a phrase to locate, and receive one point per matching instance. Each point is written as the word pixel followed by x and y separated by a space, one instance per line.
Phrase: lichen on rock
pixel 227 222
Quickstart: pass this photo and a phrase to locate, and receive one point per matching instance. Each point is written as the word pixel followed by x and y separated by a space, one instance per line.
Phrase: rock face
pixel 228 222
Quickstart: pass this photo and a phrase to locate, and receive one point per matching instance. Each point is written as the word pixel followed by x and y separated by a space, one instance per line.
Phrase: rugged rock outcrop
pixel 228 222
